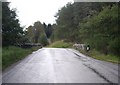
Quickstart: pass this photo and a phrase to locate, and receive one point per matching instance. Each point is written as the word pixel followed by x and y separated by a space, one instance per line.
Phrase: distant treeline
pixel 94 23
pixel 38 33
pixel 13 33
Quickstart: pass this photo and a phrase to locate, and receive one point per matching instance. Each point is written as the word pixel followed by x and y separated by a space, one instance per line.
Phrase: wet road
pixel 59 65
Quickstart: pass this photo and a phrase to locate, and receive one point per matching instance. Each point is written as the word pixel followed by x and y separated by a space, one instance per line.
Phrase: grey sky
pixel 29 11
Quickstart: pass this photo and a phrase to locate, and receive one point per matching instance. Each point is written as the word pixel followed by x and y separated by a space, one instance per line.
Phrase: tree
pixel 101 31
pixel 65 25
pixel 70 16
pixel 30 33
pixel 91 23
pixel 43 40
pixel 48 30
pixel 11 30
pixel 39 30
pixel 36 33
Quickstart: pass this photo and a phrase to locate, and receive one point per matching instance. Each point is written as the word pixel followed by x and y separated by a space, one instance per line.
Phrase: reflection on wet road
pixel 59 65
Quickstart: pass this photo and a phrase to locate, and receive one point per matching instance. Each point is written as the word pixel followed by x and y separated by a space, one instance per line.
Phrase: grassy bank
pixel 92 53
pixel 13 54
pixel 100 56
pixel 61 44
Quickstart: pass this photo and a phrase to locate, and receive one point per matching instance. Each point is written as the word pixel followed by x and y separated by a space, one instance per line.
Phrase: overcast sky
pixel 29 11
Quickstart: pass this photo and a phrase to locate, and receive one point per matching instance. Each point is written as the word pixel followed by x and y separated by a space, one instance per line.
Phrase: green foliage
pixel 11 30
pixel 114 46
pixel 101 31
pixel 61 44
pixel 71 15
pixel 39 30
pixel 13 54
pixel 43 40
pixel 95 24
pixel 36 33
pixel 30 34
pixel 48 30
pixel 39 33
pixel 65 24
pixel 100 56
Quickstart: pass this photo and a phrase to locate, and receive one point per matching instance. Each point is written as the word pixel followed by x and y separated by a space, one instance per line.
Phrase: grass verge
pixel 100 56
pixel 13 54
pixel 61 44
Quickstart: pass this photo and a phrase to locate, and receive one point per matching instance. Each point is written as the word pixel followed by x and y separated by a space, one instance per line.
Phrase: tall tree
pixel 65 25
pixel 48 30
pixel 93 23
pixel 36 33
pixel 30 33
pixel 11 30
pixel 101 31
pixel 71 15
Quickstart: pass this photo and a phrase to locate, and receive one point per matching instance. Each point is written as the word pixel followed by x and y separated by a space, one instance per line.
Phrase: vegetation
pixel 13 34
pixel 43 40
pixel 11 30
pixel 100 56
pixel 61 44
pixel 95 24
pixel 13 54
pixel 36 33
pixel 101 31
pixel 39 33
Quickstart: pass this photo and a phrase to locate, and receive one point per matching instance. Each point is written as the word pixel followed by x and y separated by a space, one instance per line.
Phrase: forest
pixel 95 24
pixel 91 23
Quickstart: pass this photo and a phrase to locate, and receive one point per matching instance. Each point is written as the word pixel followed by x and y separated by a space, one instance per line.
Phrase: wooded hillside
pixel 95 24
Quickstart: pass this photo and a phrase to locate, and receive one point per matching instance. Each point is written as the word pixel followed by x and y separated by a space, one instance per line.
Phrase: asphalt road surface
pixel 59 65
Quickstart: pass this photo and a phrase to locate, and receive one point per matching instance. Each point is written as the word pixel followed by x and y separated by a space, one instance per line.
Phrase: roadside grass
pixel 60 44
pixel 13 54
pixel 100 56
pixel 92 53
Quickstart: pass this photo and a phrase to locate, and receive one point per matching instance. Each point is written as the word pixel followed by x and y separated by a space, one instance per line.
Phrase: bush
pixel 13 54
pixel 114 46
pixel 61 44
pixel 101 31
pixel 43 40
